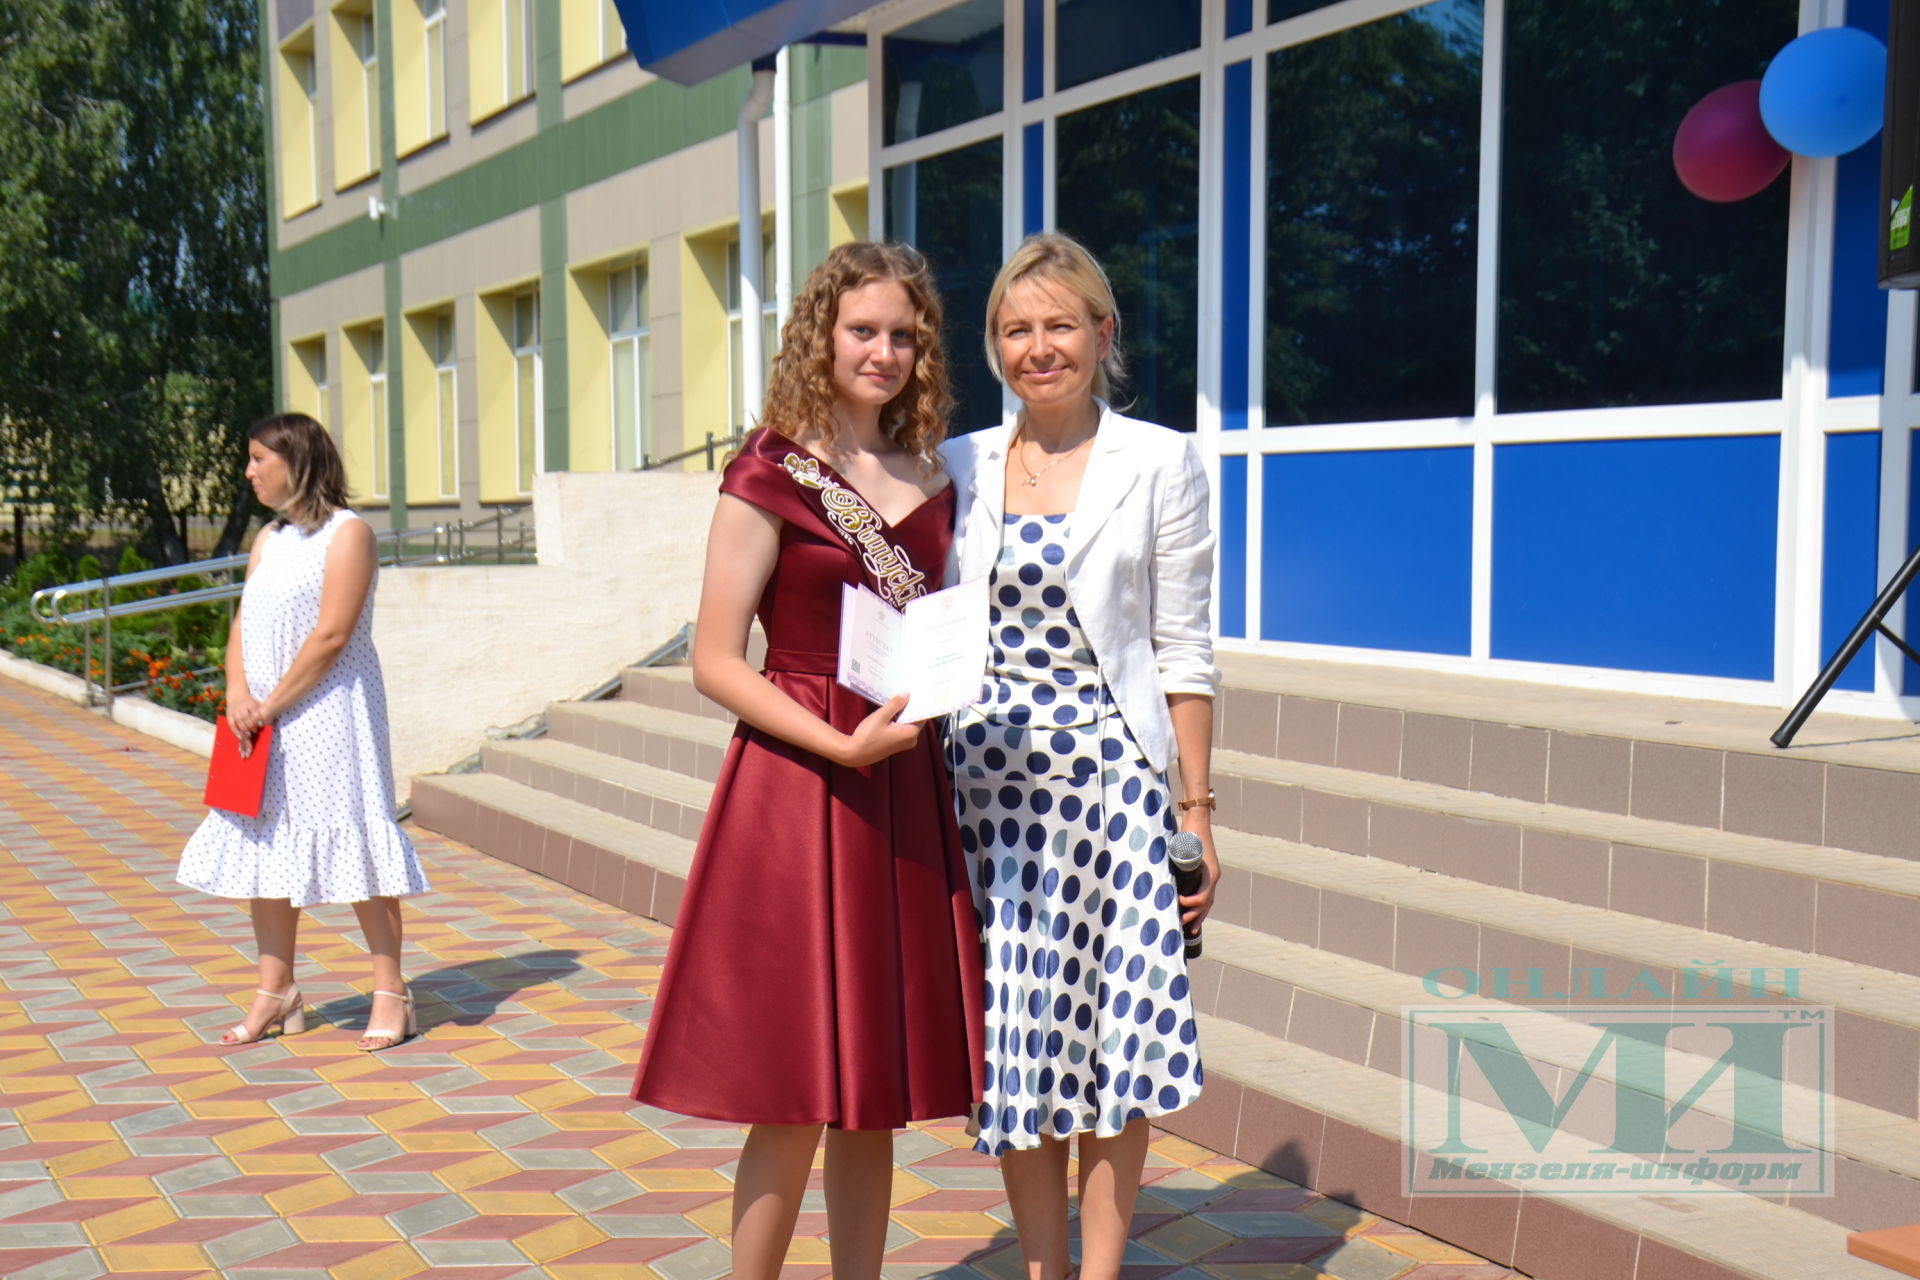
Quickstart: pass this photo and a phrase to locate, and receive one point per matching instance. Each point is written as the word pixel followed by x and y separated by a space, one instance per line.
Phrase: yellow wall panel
pixel 493 358
pixel 589 376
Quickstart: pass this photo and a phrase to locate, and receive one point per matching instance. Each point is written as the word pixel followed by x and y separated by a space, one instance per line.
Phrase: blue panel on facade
pixel 1239 17
pixel 1859 322
pixel 1370 549
pixel 1849 575
pixel 688 43
pixel 1238 168
pixel 1233 545
pixel 1647 555
pixel 1033 148
pixel 1034 74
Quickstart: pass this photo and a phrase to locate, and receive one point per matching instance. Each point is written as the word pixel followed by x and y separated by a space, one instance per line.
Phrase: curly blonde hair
pixel 800 392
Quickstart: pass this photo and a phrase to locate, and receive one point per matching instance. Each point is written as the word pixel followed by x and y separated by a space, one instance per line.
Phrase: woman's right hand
pixel 879 736
pixel 245 715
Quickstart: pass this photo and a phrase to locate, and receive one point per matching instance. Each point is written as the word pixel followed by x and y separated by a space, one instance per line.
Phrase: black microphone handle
pixel 1187 881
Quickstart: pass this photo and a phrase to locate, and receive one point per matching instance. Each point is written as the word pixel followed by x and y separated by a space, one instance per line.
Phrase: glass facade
pixel 959 232
pixel 1096 38
pixel 943 70
pixel 1373 172
pixel 1129 189
pixel 1617 287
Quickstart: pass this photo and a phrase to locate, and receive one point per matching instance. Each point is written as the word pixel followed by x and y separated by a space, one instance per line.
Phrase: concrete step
pixel 1540 951
pixel 1856 906
pixel 623 863
pixel 1400 915
pixel 658 798
pixel 1846 783
pixel 677 741
pixel 1358 1012
pixel 1333 1125
pixel 1845 905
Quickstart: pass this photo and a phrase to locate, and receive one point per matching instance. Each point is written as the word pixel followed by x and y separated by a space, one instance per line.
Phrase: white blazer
pixel 1139 560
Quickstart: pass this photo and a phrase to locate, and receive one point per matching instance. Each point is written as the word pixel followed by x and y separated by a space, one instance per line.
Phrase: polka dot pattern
pixel 326 831
pixel 1065 824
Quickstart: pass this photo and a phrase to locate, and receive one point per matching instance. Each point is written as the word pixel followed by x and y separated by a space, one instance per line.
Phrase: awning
pixel 691 40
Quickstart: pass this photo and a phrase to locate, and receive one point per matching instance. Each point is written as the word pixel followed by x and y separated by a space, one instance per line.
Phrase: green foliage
pixel 47 569
pixel 131 561
pixel 87 568
pixel 134 299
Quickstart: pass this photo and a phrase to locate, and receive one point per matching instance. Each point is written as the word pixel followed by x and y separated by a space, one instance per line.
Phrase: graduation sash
pixel 848 514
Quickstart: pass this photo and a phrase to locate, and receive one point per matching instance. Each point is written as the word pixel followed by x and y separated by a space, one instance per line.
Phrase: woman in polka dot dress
pixel 300 658
pixel 1093 530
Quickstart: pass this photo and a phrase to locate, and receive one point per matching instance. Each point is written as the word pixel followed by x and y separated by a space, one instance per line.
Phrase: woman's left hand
pixel 1194 907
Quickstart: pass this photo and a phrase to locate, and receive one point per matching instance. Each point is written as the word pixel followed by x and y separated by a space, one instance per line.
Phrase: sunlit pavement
pixel 501 1143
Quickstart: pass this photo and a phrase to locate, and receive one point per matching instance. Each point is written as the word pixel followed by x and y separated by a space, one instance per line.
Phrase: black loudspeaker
pixel 1900 150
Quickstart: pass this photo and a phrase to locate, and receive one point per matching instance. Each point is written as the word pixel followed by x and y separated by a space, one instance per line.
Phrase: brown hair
pixel 1061 260
pixel 317 482
pixel 800 393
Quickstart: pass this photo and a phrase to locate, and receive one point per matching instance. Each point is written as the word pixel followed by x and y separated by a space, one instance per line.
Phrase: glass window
pixel 516 48
pixel 1371 215
pixel 627 333
pixel 369 51
pixel 1094 38
pixel 1129 188
pixel 944 70
pixel 1278 10
pixel 1616 286
pixel 445 380
pixel 377 404
pixel 613 33
pixel 738 410
pixel 526 385
pixel 957 227
pixel 434 15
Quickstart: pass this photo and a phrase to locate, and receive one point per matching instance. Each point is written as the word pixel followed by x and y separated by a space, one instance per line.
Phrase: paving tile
pixel 302 1159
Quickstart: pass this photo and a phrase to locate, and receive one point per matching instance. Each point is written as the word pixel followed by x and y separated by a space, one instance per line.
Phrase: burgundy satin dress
pixel 825 966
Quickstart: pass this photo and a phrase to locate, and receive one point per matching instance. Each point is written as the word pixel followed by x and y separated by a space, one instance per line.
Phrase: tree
pixel 133 281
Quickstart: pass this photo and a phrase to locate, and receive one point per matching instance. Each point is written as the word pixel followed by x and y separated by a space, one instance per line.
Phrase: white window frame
pixel 379 480
pixel 446 403
pixel 613 34
pixel 527 365
pixel 368 48
pixel 525 11
pixel 310 85
pixel 639 338
pixel 740 417
pixel 434 23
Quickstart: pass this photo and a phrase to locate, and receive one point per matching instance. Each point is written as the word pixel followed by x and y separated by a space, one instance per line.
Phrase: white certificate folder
pixel 934 650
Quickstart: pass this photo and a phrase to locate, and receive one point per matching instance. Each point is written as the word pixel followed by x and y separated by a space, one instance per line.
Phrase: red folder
pixel 235 783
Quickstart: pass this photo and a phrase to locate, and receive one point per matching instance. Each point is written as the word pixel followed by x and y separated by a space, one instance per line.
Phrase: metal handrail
pixel 713 443
pixel 50 605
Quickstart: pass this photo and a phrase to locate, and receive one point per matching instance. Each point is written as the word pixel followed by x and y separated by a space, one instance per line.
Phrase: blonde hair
pixel 1061 260
pixel 800 393
pixel 316 480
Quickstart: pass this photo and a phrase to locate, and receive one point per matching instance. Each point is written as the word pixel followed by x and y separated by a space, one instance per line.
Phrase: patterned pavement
pixel 499 1145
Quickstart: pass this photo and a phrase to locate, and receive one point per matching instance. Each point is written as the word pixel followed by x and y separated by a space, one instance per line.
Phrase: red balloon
pixel 1722 150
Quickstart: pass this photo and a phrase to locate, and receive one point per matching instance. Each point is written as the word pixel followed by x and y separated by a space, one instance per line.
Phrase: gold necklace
pixel 1033 477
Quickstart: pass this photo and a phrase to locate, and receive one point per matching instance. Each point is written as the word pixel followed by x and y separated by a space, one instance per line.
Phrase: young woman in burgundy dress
pixel 825 967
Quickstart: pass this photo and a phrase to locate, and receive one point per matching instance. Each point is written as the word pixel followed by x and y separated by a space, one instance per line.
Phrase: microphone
pixel 1185 851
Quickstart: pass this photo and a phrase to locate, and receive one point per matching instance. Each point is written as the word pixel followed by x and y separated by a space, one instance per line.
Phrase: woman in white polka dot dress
pixel 1092 530
pixel 300 657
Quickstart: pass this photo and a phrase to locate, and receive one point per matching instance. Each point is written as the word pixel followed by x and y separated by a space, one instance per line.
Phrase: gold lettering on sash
pixel 860 525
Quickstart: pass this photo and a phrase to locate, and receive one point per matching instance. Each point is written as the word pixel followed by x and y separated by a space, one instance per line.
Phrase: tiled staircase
pixel 1379 827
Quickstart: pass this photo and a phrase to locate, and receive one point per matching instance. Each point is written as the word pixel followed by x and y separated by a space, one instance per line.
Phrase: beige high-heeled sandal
pixel 291 1017
pixel 392 1038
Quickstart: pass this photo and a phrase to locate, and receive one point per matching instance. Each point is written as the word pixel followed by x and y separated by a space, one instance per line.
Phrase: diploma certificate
pixel 934 650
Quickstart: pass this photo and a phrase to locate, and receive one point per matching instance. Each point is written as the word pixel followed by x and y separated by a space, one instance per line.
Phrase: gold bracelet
pixel 1208 801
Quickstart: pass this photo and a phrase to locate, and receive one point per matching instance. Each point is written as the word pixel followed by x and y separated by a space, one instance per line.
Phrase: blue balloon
pixel 1825 92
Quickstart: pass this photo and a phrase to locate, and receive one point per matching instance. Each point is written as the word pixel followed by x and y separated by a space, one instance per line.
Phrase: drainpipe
pixel 782 186
pixel 753 387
